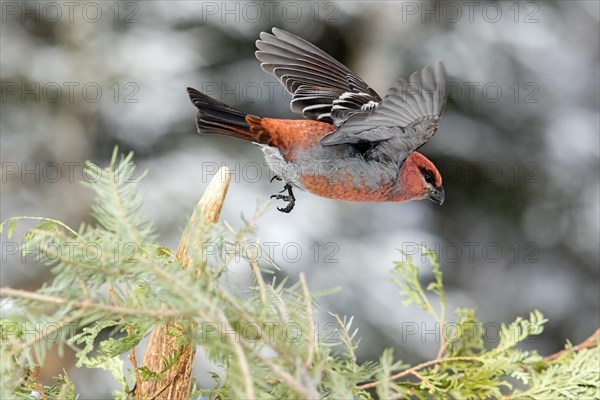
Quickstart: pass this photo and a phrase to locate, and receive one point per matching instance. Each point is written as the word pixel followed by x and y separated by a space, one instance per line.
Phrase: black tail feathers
pixel 216 117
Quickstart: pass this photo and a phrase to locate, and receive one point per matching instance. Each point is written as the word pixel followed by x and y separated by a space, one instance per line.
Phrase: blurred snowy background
pixel 518 147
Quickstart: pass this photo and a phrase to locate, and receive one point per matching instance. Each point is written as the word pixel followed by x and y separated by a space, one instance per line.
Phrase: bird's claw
pixel 287 208
pixel 289 198
pixel 291 202
pixel 276 177
pixel 282 197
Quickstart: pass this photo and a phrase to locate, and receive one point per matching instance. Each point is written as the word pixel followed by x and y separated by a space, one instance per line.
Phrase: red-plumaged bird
pixel 354 145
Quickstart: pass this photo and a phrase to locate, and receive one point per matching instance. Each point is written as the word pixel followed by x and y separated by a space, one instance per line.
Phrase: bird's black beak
pixel 437 195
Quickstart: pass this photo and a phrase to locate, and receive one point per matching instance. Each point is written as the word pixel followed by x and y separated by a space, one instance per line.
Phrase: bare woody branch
pixel 165 342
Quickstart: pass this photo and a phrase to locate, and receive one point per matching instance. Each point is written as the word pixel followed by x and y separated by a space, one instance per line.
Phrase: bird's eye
pixel 428 178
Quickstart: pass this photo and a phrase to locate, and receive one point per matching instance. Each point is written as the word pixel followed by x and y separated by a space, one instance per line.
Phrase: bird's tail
pixel 218 118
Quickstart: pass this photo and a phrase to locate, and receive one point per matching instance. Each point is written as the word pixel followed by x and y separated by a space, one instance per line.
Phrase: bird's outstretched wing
pixel 322 88
pixel 409 114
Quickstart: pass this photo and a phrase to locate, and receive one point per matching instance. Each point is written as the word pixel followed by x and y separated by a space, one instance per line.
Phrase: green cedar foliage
pixel 114 283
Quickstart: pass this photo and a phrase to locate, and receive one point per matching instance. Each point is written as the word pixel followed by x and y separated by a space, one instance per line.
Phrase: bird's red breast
pixel 343 186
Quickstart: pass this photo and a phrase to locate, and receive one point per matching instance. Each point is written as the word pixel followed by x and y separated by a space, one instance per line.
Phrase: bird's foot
pixel 276 177
pixel 289 198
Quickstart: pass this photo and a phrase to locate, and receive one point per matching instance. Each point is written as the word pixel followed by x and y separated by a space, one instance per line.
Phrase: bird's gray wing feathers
pixel 322 88
pixel 409 113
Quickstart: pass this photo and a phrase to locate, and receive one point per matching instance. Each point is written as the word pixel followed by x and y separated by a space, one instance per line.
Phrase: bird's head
pixel 420 179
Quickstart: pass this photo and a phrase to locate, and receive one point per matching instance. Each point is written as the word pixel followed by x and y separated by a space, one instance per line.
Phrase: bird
pixel 352 144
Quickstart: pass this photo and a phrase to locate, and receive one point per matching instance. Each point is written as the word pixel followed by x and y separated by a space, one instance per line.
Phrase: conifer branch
pixel 107 292
pixel 38 385
pixel 159 315
pixel 412 370
pixel 309 320
pixel 590 342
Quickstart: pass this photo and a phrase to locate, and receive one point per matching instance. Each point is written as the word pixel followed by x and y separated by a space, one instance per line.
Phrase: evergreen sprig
pixel 115 284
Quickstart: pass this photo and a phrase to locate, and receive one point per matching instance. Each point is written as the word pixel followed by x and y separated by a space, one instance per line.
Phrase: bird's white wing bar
pixel 410 109
pixel 316 80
